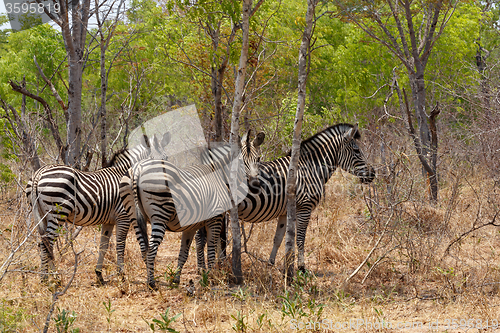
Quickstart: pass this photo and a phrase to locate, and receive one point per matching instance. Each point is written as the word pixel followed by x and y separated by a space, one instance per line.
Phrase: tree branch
pixel 53 89
pixel 48 112
pixel 416 140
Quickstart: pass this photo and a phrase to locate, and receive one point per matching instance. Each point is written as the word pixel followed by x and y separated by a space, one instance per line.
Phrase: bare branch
pixel 54 128
pixel 53 89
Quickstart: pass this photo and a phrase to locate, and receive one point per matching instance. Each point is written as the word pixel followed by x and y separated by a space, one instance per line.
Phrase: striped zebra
pixel 320 156
pixel 185 199
pixel 60 194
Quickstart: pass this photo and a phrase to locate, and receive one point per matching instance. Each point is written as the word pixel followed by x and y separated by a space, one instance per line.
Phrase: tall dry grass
pixel 422 262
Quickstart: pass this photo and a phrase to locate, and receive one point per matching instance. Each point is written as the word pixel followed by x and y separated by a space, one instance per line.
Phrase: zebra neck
pixel 321 161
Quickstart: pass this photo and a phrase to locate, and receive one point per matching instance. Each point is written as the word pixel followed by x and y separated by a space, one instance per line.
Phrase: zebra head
pixel 158 150
pixel 250 151
pixel 350 157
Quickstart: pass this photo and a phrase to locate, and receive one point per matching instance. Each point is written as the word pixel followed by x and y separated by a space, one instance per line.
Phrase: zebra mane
pixel 124 155
pixel 334 129
pixel 115 156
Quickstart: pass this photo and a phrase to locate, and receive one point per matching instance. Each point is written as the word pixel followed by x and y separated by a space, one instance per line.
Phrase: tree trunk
pixel 217 79
pixel 237 104
pixel 74 40
pixel 102 111
pixel 291 185
pixel 74 111
pixel 485 87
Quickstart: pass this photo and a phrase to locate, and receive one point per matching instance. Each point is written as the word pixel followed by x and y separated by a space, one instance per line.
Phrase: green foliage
pixel 109 311
pixel 241 294
pixel 293 305
pixel 294 308
pixel 46 44
pixel 170 274
pixel 162 56
pixel 240 325
pixel 204 281
pixel 64 321
pixel 10 318
pixel 304 282
pixel 261 321
pixel 6 175
pixel 29 21
pixel 3 33
pixel 164 323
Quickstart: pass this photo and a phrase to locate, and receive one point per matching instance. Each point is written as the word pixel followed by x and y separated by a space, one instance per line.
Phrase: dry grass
pixel 409 278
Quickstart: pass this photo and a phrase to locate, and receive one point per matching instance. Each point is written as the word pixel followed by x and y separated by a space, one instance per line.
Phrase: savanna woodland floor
pixel 424 268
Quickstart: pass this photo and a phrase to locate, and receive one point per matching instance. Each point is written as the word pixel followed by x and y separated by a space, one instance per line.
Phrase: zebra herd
pixel 60 194
pixel 141 185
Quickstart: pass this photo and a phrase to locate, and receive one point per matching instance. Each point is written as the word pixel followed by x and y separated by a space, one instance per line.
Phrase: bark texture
pixel 234 139
pixel 291 185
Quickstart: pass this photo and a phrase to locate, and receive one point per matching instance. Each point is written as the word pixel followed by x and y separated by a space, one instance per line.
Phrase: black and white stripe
pixel 184 199
pixel 60 194
pixel 320 156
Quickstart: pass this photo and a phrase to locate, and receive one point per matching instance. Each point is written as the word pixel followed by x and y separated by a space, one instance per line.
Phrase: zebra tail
pixel 33 194
pixel 141 220
pixel 141 223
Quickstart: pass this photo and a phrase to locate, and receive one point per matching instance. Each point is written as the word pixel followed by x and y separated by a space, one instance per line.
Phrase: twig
pixel 492 222
pixel 372 250
pixel 57 294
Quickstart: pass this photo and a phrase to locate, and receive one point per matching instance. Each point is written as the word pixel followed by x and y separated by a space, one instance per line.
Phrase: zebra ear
pixel 246 137
pixel 145 141
pixel 351 134
pixel 259 139
pixel 166 139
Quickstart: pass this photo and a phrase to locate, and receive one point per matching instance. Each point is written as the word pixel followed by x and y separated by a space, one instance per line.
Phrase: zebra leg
pixel 157 234
pixel 302 223
pixel 213 227
pixel 223 237
pixel 201 240
pixel 47 255
pixel 106 232
pixel 122 227
pixel 187 238
pixel 278 238
pixel 143 242
pixel 47 243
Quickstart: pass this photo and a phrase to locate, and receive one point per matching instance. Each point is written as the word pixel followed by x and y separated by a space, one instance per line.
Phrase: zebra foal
pixel 320 156
pixel 184 199
pixel 60 194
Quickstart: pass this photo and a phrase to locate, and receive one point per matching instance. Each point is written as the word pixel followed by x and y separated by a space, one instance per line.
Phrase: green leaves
pixel 164 323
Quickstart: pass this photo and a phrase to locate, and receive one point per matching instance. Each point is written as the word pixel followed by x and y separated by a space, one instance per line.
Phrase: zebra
pixel 150 188
pixel 60 194
pixel 320 156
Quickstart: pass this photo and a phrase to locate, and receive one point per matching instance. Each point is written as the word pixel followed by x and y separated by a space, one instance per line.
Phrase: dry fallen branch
pixel 459 238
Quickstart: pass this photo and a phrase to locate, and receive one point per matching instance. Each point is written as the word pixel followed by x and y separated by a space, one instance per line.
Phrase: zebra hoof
pixel 100 280
pixel 152 286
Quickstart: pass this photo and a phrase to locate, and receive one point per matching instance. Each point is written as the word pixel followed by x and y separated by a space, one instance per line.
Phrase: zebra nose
pixel 368 176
